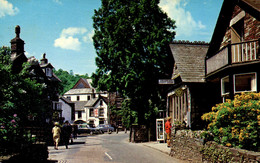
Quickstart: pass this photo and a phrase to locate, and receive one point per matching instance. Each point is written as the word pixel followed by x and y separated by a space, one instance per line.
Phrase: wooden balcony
pixel 232 54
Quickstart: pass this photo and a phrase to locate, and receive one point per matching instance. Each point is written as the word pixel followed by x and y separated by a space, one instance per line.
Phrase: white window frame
pixel 222 86
pixel 254 87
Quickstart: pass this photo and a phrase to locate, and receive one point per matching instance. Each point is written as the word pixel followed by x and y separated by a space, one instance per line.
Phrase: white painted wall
pixel 66 111
pixel 96 119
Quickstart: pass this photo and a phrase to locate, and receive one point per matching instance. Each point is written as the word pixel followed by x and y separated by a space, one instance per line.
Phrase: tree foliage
pixel 20 97
pixel 131 39
pixel 68 79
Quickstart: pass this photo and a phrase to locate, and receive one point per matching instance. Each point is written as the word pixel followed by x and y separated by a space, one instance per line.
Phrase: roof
pixel 80 91
pixel 83 83
pixel 250 6
pixel 93 101
pixel 190 60
pixel 49 65
pixel 67 101
pixel 79 105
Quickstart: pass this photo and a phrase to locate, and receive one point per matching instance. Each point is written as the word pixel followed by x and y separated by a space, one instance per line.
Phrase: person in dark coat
pixel 66 129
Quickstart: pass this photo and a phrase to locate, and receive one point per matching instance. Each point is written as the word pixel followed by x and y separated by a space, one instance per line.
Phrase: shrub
pixel 235 123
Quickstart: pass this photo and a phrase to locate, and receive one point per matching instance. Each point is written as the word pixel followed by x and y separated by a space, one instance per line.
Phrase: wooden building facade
pixel 232 61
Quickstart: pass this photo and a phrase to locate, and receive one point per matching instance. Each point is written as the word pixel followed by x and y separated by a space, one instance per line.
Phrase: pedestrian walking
pixel 75 131
pixel 56 135
pixel 168 127
pixel 66 133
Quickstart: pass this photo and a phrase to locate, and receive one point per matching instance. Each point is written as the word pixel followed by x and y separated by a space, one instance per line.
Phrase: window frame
pixel 223 86
pixel 253 87
pixel 79 114
pixel 91 112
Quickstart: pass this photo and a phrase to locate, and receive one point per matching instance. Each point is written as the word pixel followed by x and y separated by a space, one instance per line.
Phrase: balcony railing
pixel 233 53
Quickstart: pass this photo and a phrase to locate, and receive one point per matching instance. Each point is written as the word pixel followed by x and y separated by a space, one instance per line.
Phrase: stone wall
pixel 187 145
pixel 138 133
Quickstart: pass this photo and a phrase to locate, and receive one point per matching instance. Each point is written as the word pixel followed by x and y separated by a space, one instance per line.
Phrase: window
pixel 101 103
pixel 79 114
pixel 77 98
pixel 48 72
pixel 91 112
pixel 245 82
pixel 225 85
pixel 101 121
pixel 57 106
pixel 101 112
pixel 88 97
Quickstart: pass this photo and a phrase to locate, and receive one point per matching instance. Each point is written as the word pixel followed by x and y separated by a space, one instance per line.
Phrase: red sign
pixel 96 112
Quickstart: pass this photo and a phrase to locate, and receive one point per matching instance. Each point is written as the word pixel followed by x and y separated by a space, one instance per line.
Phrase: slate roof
pixel 83 83
pixel 80 91
pixel 189 58
pixel 93 101
pixel 79 105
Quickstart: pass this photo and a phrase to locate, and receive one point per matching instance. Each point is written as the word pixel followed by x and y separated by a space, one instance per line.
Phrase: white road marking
pixel 108 156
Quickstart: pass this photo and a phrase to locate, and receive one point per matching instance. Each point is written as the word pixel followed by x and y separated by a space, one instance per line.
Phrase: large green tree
pixel 132 39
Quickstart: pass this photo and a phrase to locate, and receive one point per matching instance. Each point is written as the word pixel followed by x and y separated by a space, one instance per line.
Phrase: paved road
pixel 108 148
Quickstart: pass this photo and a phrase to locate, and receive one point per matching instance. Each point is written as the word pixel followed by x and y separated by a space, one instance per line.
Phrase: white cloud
pixel 70 38
pixel 57 1
pixel 69 43
pixel 88 37
pixel 7 8
pixel 71 31
pixel 185 23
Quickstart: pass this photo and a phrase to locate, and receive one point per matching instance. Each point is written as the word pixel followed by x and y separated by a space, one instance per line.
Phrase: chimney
pixel 44 60
pixel 93 93
pixel 17 44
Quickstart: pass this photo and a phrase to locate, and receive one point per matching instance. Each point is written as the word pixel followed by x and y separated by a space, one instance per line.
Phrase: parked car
pixel 85 128
pixel 105 128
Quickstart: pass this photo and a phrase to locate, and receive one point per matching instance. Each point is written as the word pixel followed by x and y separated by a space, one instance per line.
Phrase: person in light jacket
pixel 56 135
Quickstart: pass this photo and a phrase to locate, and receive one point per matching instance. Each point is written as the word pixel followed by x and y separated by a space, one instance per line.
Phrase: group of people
pixel 65 131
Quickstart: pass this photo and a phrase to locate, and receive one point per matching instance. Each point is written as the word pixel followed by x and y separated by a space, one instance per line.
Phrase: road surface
pixel 108 148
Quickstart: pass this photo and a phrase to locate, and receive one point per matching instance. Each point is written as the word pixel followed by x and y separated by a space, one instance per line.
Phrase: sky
pixel 63 29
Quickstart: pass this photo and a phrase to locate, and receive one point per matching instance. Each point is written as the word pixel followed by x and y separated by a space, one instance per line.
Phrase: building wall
pixel 179 105
pixel 83 115
pixel 84 97
pixel 251 28
pixel 97 119
pixel 66 111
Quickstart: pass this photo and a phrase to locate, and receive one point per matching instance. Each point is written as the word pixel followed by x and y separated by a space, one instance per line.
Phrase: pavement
pixel 162 147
